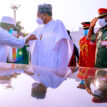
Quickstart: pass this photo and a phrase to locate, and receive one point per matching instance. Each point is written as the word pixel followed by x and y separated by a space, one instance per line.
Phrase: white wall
pixel 76 36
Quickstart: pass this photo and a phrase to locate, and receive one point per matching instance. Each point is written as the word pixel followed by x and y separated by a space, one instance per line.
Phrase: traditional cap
pixel 45 8
pixel 86 25
pixel 8 20
pixel 102 12
pixel 38 91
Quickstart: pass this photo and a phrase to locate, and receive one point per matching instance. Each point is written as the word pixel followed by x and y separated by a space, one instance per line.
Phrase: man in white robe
pixel 8 39
pixel 53 47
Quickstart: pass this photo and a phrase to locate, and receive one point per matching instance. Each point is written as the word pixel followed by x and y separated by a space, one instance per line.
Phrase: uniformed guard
pixel 100 38
pixel 87 51
pixel 87 48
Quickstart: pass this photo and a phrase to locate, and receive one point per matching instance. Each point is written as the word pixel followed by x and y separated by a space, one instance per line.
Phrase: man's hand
pixel 91 29
pixel 31 37
pixel 93 22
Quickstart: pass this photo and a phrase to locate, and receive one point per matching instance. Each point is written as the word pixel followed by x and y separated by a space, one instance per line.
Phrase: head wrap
pixel 102 12
pixel 38 91
pixel 86 25
pixel 7 22
pixel 45 8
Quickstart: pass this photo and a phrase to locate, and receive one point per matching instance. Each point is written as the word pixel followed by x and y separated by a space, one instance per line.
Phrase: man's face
pixel 11 26
pixel 40 16
pixel 7 26
pixel 102 21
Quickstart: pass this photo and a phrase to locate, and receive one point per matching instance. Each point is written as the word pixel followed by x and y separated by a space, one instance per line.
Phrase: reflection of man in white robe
pixel 53 46
pixel 45 78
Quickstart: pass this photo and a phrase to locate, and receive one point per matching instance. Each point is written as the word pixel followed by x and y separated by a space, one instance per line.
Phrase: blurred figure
pixel 12 52
pixel 6 26
pixel 22 55
pixel 19 56
pixel 75 57
pixel 53 47
pixel 100 38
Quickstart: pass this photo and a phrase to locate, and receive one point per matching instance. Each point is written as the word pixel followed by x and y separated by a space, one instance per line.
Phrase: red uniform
pixel 87 53
pixel 86 73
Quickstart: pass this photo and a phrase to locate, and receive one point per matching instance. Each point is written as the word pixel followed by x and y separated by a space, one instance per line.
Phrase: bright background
pixel 71 12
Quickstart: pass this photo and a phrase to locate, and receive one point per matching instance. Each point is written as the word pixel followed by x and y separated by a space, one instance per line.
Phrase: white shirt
pixel 8 39
pixel 53 47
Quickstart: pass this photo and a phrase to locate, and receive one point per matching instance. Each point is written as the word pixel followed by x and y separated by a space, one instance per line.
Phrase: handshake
pixel 31 37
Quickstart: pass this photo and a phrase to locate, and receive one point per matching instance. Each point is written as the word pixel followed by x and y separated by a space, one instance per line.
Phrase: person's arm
pixel 91 29
pixel 31 37
pixel 8 39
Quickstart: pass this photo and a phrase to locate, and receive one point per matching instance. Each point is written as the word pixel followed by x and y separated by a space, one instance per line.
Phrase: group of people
pixel 52 47
pixel 93 46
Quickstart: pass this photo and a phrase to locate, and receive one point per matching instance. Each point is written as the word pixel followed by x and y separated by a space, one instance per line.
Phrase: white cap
pixel 7 19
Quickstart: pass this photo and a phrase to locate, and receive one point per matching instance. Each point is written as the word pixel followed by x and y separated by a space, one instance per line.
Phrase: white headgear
pixel 7 19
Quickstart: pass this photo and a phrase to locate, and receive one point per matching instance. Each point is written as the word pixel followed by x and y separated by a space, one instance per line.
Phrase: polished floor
pixel 34 86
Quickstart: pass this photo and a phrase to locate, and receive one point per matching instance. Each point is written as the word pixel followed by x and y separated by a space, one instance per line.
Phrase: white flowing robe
pixel 47 77
pixel 53 47
pixel 8 39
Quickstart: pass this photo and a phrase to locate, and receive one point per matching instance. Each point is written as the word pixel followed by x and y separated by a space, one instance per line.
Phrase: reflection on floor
pixel 41 81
